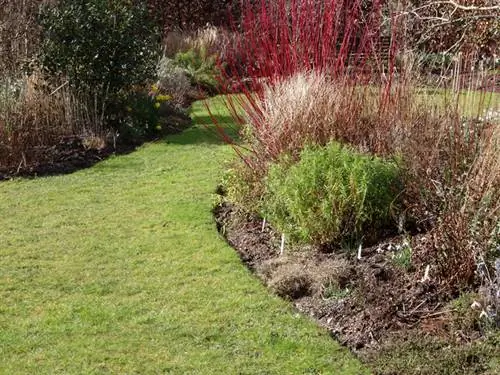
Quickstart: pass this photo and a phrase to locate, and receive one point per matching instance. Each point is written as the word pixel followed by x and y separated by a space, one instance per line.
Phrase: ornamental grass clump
pixel 333 194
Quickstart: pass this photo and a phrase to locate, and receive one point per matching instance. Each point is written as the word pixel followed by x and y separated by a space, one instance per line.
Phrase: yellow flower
pixel 157 105
pixel 163 98
pixel 158 127
pixel 154 88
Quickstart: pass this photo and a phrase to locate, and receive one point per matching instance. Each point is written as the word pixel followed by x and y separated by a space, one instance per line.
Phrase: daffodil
pixel 163 98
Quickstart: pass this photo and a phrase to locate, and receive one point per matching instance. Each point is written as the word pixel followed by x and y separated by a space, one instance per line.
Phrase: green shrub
pixel 200 67
pixel 331 194
pixel 174 81
pixel 142 116
pixel 103 47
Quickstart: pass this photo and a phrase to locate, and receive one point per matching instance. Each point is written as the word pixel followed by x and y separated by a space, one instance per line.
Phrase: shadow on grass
pixel 208 134
pixel 205 119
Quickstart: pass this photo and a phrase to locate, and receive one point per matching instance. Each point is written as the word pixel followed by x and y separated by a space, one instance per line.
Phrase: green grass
pixel 118 269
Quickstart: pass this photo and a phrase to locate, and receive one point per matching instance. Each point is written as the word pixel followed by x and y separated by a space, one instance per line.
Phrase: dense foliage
pixel 105 45
pixel 331 195
pixel 107 50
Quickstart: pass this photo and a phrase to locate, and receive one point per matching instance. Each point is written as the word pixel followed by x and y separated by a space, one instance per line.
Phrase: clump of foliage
pixel 105 49
pixel 200 67
pixel 331 194
pixel 141 118
pixel 174 81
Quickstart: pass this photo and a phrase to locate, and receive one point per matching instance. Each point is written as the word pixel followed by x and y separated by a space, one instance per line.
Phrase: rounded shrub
pixel 107 49
pixel 332 194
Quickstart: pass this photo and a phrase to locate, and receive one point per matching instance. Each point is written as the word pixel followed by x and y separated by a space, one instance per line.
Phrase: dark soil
pixel 70 154
pixel 66 157
pixel 375 301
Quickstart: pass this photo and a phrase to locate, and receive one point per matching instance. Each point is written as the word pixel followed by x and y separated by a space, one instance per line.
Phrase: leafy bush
pixel 331 194
pixel 200 67
pixel 141 119
pixel 103 47
pixel 174 81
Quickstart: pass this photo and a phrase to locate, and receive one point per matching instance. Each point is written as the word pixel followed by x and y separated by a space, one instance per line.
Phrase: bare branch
pixel 458 6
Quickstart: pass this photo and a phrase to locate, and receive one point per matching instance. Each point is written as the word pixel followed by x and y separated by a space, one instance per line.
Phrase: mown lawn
pixel 118 269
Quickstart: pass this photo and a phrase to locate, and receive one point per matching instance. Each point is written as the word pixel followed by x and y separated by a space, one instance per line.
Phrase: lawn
pixel 119 269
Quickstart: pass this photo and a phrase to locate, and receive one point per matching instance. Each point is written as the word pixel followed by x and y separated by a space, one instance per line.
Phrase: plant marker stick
pixel 263 225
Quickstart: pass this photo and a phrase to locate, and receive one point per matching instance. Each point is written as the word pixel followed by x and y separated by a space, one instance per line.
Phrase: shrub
pixel 104 48
pixel 281 38
pixel 141 118
pixel 331 194
pixel 200 67
pixel 174 81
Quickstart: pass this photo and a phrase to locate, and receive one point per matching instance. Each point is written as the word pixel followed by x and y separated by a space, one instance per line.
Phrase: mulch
pixel 385 298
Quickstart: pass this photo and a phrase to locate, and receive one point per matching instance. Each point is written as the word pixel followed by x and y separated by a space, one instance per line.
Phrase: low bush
pixel 332 194
pixel 174 81
pixel 140 119
pixel 200 67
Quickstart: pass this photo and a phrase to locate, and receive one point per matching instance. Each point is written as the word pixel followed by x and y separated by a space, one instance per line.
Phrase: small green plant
pixel 331 194
pixel 332 291
pixel 402 257
pixel 243 187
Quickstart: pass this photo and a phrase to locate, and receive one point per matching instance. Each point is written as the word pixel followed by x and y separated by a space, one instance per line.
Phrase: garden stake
pixel 426 274
pixel 263 225
pixel 359 252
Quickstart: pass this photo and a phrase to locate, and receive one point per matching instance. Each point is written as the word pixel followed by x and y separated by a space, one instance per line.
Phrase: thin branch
pixel 458 6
